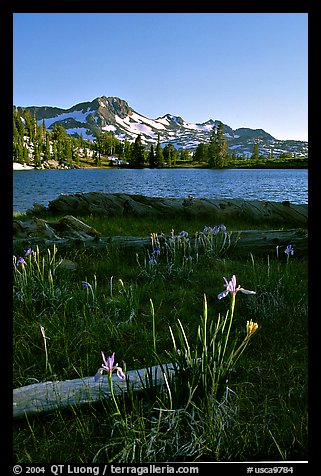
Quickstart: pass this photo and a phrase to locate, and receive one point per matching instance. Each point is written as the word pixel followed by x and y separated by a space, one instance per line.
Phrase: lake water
pixel 42 186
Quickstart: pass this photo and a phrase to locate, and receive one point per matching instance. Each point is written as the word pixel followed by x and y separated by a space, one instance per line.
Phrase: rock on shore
pixel 121 204
pixel 17 166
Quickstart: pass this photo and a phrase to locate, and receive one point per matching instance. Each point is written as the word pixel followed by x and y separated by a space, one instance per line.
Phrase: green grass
pixel 134 226
pixel 262 415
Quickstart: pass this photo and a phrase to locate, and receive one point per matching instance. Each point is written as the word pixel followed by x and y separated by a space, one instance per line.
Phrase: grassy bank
pixel 133 226
pixel 68 307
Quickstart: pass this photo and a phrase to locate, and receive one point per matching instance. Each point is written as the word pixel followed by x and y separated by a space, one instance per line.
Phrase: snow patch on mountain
pixel 77 115
pixel 109 128
pixel 151 122
pixel 80 130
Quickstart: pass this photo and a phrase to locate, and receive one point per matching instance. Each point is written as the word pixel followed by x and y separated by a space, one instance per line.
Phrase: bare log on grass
pixel 69 232
pixel 240 242
pixel 49 396
pixel 264 242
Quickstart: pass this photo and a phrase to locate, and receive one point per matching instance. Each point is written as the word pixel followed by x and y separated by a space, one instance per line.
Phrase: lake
pixel 42 186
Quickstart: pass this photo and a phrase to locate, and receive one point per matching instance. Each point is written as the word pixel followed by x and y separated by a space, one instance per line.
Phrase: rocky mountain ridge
pixel 115 115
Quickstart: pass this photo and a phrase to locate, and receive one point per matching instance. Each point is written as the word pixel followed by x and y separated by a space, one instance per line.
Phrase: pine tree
pixel 18 151
pixel 60 150
pixel 151 157
pixel 217 149
pixel 59 133
pixel 68 152
pixel 201 153
pixel 97 150
pixel 184 155
pixel 81 142
pixel 138 154
pixel 119 150
pixel 127 150
pixel 36 154
pixel 18 125
pixel 159 157
pixel 30 125
pixel 75 156
pixel 168 153
pixel 74 150
pixel 26 159
pixel 255 154
pixel 42 132
pixel 55 151
pixel 47 154
pixel 233 156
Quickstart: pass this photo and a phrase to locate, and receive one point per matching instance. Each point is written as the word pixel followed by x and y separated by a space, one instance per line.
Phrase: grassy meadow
pixel 241 391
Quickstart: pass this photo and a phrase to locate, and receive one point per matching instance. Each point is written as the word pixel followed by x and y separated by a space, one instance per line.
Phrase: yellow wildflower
pixel 251 327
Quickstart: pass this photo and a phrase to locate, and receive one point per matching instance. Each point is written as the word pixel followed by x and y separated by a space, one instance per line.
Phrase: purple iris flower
pixel 21 260
pixel 109 366
pixel 213 230
pixel 231 288
pixel 29 251
pixel 289 250
pixel 152 258
pixel 87 285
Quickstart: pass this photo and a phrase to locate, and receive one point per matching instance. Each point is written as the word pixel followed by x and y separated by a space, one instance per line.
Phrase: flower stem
pixel 110 382
pixel 230 324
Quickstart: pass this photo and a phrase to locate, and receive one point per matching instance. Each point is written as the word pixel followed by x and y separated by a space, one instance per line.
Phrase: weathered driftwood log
pixel 241 242
pixel 48 396
pixel 69 232
pixel 66 227
pixel 264 242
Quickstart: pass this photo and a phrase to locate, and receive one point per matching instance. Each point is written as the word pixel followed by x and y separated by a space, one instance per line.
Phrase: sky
pixel 244 69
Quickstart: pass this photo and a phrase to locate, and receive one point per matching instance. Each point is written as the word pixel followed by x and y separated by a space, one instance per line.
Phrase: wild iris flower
pixel 231 288
pixel 213 230
pixel 86 285
pixel 29 251
pixel 289 250
pixel 89 286
pixel 152 259
pixel 21 260
pixel 109 366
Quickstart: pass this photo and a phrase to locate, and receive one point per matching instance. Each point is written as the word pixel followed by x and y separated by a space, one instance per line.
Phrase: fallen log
pixel 67 227
pixel 242 242
pixel 49 396
pixel 63 236
pixel 272 242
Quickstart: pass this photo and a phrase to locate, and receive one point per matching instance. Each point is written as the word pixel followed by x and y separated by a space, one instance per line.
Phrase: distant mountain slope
pixel 114 114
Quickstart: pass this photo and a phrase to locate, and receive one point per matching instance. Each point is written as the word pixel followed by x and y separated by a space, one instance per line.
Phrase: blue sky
pixel 244 69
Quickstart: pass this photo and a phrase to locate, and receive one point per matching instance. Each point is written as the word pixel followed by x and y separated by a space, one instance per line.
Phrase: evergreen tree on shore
pixel 201 153
pixel 255 154
pixel 159 157
pixel 217 149
pixel 151 157
pixel 137 159
pixel 170 155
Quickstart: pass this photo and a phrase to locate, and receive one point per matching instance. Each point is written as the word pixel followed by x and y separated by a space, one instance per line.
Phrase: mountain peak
pixel 110 113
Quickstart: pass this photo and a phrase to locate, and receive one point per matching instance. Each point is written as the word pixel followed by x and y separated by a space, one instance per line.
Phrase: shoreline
pixel 18 166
